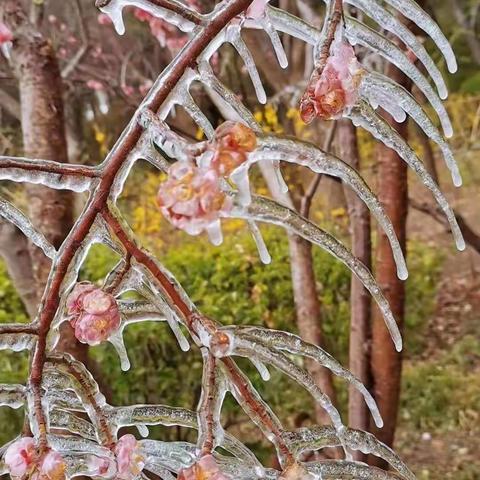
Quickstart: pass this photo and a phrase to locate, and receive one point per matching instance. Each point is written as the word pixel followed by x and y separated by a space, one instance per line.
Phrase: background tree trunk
pixel 360 320
pixel 43 128
pixel 386 362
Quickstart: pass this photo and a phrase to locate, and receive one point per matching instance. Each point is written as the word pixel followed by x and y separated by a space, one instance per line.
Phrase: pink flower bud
pixel 52 467
pixel 205 469
pixel 99 466
pixel 191 197
pixel 335 91
pixel 95 85
pixel 130 461
pixel 20 457
pixel 94 313
pixel 104 19
pixel 5 34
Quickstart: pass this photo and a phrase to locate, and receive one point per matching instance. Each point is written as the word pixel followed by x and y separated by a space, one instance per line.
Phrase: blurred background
pixel 430 396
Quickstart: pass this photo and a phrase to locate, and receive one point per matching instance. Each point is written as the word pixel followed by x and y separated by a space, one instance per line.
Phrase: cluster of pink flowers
pixel 192 198
pixel 129 461
pixel 166 34
pixel 205 469
pixel 94 314
pixel 335 91
pixel 23 461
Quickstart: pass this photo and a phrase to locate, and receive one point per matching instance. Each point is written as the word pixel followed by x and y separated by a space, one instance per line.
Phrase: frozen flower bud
pixel 5 34
pixel 335 91
pixel 94 314
pixel 20 457
pixel 130 461
pixel 224 162
pixel 52 467
pixel 235 136
pixel 205 469
pixel 191 198
pixel 100 466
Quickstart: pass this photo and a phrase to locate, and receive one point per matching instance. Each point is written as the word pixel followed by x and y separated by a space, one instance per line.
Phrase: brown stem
pixel 114 163
pixel 121 274
pixel 207 420
pixel 29 329
pixel 51 167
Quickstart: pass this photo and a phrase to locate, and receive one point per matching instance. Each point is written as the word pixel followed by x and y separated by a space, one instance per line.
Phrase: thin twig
pixel 306 202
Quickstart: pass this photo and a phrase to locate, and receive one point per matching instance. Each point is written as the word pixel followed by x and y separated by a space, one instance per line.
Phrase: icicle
pixel 233 36
pixel 262 369
pixel 276 42
pixel 374 83
pixel 12 396
pixel 15 216
pixel 143 430
pixel 188 103
pixel 359 33
pixel 240 178
pixel 387 20
pixel 6 49
pixel 214 231
pixel 364 115
pixel 282 185
pixel 263 252
pixel 320 162
pixel 389 105
pixel 411 10
pixel 265 210
pixel 114 9
pixel 119 345
pixel 177 331
pixel 102 99
pixel 16 342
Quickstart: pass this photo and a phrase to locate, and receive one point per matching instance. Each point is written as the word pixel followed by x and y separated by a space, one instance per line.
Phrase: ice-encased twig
pixel 44 172
pixel 16 342
pixel 23 223
pixel 363 115
pixel 411 10
pixel 63 420
pixel 357 32
pixel 387 20
pixel 308 155
pixel 295 345
pixel 344 469
pixel 265 210
pixel 372 83
pixel 316 438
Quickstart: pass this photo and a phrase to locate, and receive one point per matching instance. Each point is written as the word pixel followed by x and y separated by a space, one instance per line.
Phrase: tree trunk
pixel 43 128
pixel 386 363
pixel 309 314
pixel 360 300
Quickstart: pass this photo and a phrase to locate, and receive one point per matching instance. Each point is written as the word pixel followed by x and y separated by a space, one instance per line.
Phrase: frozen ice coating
pixel 391 23
pixel 414 12
pixel 69 397
pixel 22 222
pixel 357 32
pixel 374 84
pixel 364 116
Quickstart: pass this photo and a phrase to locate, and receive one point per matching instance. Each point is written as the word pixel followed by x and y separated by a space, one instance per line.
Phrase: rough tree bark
pixel 43 128
pixel 386 363
pixel 360 300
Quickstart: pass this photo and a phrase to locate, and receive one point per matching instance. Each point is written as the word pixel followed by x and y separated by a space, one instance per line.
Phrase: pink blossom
pixel 5 34
pixel 142 15
pixel 335 91
pixel 256 10
pixel 20 457
pixel 95 85
pixel 191 197
pixel 205 469
pixel 104 19
pixel 94 314
pixel 130 461
pixel 52 18
pixel 99 466
pixel 127 90
pixel 52 467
